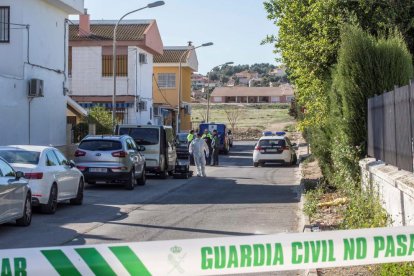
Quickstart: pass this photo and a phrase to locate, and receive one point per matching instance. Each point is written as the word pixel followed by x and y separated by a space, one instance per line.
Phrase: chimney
pixel 84 24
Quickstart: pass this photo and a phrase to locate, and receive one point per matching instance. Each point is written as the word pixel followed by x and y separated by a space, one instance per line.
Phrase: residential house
pixel 33 50
pixel 238 94
pixel 90 66
pixel 166 85
pixel 245 76
pixel 198 81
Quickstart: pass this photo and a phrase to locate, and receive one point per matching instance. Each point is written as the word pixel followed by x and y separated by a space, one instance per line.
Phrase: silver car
pixel 111 159
pixel 15 196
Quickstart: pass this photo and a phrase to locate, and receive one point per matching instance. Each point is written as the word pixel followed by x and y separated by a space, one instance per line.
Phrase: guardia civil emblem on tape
pixel 248 254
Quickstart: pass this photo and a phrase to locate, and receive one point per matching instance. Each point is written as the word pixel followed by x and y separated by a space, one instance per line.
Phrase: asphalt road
pixel 235 199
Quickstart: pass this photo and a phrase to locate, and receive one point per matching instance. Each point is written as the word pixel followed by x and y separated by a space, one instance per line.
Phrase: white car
pixel 274 149
pixel 52 178
pixel 15 197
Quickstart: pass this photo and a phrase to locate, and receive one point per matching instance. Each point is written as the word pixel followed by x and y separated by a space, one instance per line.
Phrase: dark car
pixel 182 145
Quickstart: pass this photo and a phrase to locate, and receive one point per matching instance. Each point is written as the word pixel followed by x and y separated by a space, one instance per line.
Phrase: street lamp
pixel 177 127
pixel 150 5
pixel 208 88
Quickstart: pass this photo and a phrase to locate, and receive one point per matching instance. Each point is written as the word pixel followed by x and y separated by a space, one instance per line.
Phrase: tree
pixel 233 116
pixel 102 118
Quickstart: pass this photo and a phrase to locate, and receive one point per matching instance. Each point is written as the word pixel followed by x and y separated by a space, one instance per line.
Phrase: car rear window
pixel 142 136
pixel 182 137
pixel 272 143
pixel 20 156
pixel 100 145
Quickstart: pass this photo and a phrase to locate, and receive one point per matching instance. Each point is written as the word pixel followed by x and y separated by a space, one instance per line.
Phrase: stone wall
pixel 394 187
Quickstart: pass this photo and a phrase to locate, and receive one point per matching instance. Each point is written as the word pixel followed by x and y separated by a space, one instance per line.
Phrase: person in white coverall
pixel 197 148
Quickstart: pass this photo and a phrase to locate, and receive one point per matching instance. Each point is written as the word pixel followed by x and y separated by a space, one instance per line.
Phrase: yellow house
pixel 166 85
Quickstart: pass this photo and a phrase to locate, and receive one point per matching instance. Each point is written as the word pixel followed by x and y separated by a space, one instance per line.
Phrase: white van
pixel 158 141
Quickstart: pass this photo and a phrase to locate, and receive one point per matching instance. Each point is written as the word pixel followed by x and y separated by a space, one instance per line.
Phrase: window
pixel 20 156
pixel 61 158
pixel 166 80
pixel 121 65
pixel 100 145
pixel 6 170
pixel 51 159
pixel 4 24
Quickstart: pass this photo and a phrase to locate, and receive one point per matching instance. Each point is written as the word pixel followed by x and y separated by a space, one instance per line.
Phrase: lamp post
pixel 177 127
pixel 208 88
pixel 151 5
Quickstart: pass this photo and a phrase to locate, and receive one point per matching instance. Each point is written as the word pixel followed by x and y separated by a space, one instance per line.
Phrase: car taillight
pixel 119 154
pixel 81 168
pixel 285 148
pixel 257 148
pixel 79 153
pixel 36 175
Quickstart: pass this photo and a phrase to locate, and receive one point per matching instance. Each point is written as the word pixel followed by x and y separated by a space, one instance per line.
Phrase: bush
pixel 312 198
pixel 364 211
pixel 102 118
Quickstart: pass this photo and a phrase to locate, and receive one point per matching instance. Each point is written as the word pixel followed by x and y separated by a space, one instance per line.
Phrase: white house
pixel 33 49
pixel 90 66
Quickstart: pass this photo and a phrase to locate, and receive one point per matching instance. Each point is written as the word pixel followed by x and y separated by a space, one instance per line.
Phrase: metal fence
pixel 390 127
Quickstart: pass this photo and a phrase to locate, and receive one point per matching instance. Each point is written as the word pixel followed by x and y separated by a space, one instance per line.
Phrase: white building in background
pixel 33 49
pixel 90 66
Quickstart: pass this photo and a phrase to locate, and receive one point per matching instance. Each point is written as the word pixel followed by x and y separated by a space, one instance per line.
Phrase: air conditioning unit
pixel 142 106
pixel 143 58
pixel 35 88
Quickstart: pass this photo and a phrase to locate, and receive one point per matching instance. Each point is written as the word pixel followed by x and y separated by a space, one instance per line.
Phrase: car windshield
pixel 100 145
pixel 182 137
pixel 142 136
pixel 20 156
pixel 272 143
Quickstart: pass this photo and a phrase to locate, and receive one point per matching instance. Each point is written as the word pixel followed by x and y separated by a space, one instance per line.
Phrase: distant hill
pixel 258 74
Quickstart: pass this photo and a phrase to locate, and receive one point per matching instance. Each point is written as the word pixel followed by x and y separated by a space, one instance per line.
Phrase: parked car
pixel 222 134
pixel 274 149
pixel 15 196
pixel 51 176
pixel 182 145
pixel 159 146
pixel 111 159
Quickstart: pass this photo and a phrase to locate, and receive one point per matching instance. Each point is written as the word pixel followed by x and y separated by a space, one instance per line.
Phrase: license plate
pixel 271 150
pixel 100 170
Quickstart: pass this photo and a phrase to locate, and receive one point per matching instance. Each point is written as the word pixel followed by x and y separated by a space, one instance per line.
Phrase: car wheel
pixel 256 164
pixel 78 200
pixel 26 219
pixel 170 173
pixel 51 206
pixel 132 181
pixel 143 178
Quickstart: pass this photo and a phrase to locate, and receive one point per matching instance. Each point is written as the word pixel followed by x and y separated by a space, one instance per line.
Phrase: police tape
pixel 217 256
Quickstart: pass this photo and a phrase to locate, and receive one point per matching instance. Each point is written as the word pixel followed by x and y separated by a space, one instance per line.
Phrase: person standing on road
pixel 215 145
pixel 208 138
pixel 190 138
pixel 198 148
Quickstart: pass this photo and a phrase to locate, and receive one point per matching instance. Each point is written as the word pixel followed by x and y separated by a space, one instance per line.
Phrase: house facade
pixel 239 94
pixel 166 85
pixel 90 66
pixel 33 50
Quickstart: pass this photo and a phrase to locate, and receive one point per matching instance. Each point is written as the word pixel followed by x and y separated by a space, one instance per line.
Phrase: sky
pixel 236 27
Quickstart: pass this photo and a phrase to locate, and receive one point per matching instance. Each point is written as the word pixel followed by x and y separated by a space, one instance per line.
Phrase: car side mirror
pixel 72 164
pixel 141 148
pixel 19 175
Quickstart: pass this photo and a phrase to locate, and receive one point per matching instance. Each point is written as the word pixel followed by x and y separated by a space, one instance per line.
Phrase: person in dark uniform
pixel 208 139
pixel 190 138
pixel 215 145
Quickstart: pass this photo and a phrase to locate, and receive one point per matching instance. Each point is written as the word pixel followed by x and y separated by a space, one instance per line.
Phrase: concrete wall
pixel 394 187
pixel 87 79
pixel 42 58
